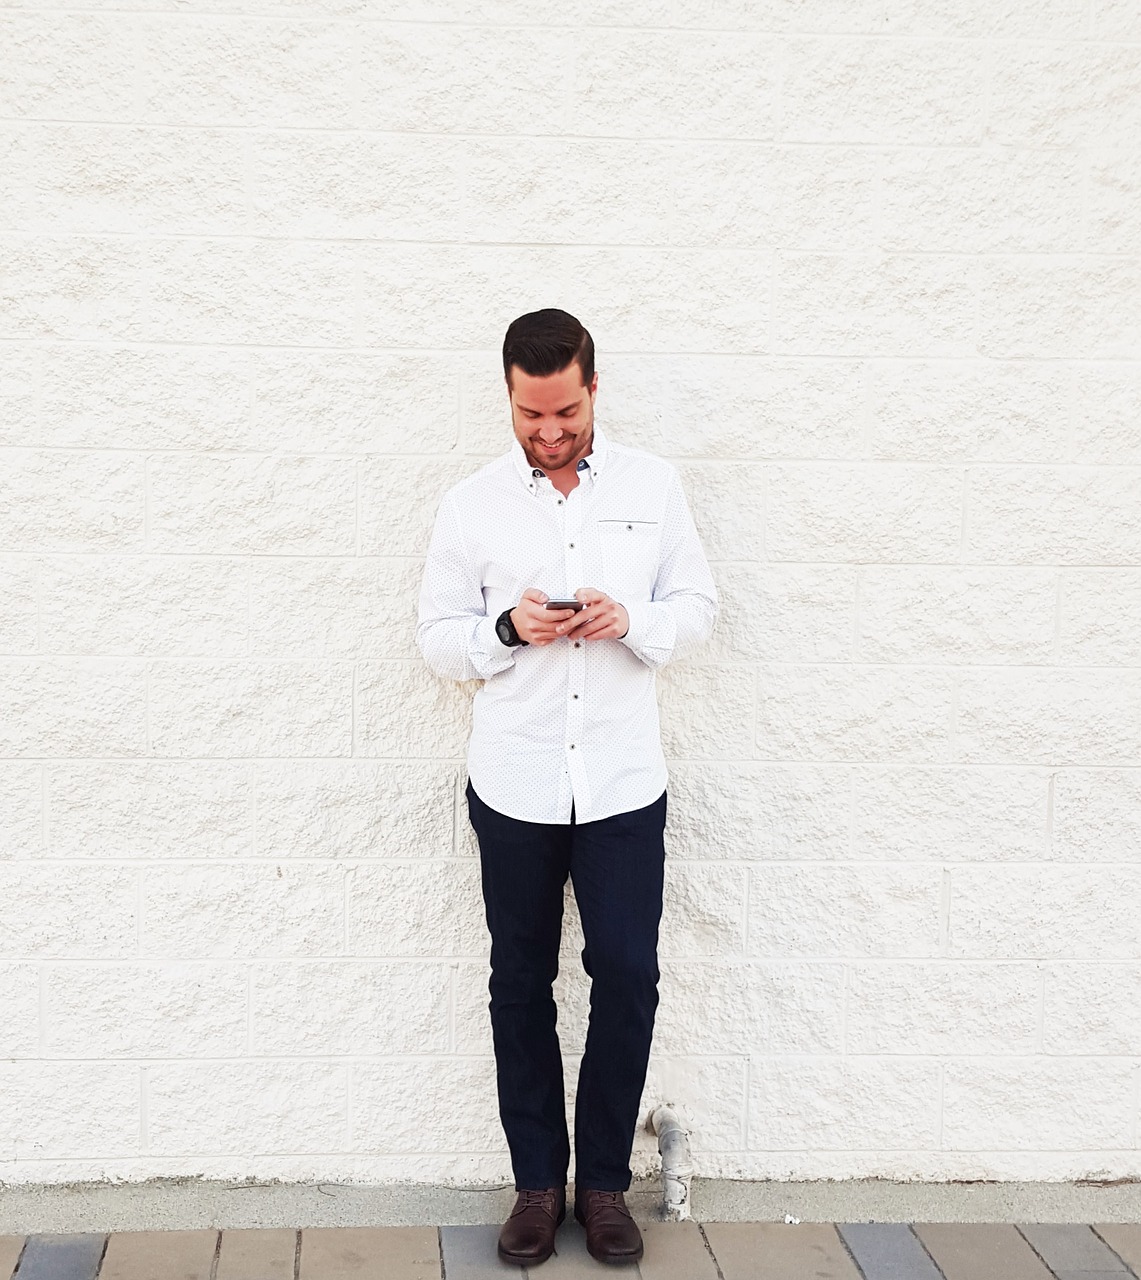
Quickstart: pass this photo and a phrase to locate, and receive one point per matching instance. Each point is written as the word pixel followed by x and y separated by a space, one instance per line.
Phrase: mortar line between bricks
pixel 1050 1270
pixel 709 1250
pixel 1129 1271
pixel 938 1269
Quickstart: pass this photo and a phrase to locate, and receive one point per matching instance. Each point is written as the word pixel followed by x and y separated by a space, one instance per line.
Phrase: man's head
pixel 548 363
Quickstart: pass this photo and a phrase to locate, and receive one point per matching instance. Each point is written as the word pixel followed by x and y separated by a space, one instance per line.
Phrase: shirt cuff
pixel 639 615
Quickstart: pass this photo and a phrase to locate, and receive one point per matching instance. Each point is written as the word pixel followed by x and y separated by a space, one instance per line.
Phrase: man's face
pixel 553 416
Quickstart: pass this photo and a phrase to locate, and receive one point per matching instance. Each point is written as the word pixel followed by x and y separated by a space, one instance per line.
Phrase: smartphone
pixel 576 605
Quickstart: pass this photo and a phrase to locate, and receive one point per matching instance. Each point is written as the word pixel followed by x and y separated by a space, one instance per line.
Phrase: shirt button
pixel 572 746
pixel 571 545
pixel 560 502
pixel 578 644
pixel 574 696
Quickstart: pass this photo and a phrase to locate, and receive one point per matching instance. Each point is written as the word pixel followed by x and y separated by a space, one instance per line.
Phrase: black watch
pixel 505 630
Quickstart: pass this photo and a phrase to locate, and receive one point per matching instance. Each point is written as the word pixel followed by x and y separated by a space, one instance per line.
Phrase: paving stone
pixel 10 1247
pixel 1092 1275
pixel 62 1257
pixel 675 1251
pixel 888 1251
pixel 370 1253
pixel 1068 1246
pixel 159 1255
pixel 981 1251
pixel 263 1254
pixel 1124 1238
pixel 470 1254
pixel 779 1251
pixel 571 1260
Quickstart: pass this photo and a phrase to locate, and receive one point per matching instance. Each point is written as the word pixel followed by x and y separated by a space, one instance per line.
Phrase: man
pixel 565 765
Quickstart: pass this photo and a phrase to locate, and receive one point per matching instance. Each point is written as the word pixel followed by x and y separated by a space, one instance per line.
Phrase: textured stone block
pixel 1071 1104
pixel 403 711
pixel 257 1254
pixel 40 1120
pixel 707 1094
pixel 242 910
pixel 329 402
pixel 728 505
pixel 149 809
pixel 426 908
pixel 957 616
pixel 888 1251
pixel 239 291
pixel 1099 620
pixel 47 911
pixel 861 1103
pixel 454 79
pixel 980 1251
pixel 20 1026
pixel 1095 815
pixel 875 91
pixel 1049 307
pixel 776 1251
pixel 263 505
pixel 145 1010
pixel 355 809
pixel 1107 401
pixel 132 181
pixel 352 1008
pixel 747 1007
pixel 703 910
pixel 399 502
pixel 1071 1247
pixel 706 712
pixel 251 708
pixel 230 70
pixel 894 305
pixel 879 512
pixel 1066 716
pixel 393 1112
pixel 61 1257
pixel 961 201
pixel 942 1008
pixel 970 411
pixel 21 810
pixel 358 186
pixel 1062 912
pixel 1066 95
pixel 66 65
pixel 18 589
pixel 970 814
pixel 337 608
pixel 841 911
pixel 758 812
pixel 144 605
pixel 783 613
pixel 856 713
pixel 369 1253
pixel 1092 1008
pixel 236 1107
pixel 156 1255
pixel 56 501
pixel 72 288
pixel 663 83
pixel 143 398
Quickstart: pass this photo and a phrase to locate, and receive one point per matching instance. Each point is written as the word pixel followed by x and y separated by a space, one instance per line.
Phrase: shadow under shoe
pixel 528 1236
pixel 612 1235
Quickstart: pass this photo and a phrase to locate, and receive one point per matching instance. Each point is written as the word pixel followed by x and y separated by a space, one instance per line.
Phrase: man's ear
pixel 594 384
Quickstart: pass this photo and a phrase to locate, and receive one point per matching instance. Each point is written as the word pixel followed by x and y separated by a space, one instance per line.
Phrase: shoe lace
pixel 534 1199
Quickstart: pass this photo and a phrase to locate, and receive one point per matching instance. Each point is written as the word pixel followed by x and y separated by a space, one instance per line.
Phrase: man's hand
pixel 602 619
pixel 535 624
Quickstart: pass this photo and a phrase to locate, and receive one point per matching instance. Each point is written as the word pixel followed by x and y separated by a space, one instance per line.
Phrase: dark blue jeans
pixel 616 866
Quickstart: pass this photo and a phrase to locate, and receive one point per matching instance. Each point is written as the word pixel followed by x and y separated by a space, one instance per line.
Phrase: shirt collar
pixel 596 460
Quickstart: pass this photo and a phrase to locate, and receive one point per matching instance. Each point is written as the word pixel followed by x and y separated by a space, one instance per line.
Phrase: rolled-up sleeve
pixel 683 608
pixel 454 633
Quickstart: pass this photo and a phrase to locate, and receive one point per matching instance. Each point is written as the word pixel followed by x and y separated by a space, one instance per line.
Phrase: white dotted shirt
pixel 573 721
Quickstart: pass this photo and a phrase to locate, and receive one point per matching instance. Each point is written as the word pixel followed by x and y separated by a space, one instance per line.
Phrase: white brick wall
pixel 869 272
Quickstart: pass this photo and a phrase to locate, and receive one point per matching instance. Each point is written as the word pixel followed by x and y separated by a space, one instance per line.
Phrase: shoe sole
pixel 530 1260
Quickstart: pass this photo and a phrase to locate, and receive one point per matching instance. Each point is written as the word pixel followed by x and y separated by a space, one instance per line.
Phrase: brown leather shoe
pixel 528 1236
pixel 611 1234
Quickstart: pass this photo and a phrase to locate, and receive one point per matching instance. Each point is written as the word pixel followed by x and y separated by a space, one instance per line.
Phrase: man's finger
pixel 533 593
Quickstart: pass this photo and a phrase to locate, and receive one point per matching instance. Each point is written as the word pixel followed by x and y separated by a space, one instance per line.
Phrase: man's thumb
pixel 533 593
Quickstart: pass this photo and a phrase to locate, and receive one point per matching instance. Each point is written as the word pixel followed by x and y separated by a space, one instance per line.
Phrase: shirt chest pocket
pixel 629 554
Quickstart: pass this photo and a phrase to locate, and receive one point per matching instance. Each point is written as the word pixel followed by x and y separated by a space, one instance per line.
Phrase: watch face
pixel 503 631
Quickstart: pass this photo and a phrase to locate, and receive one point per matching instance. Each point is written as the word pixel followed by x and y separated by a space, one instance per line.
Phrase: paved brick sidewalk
pixel 674 1251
